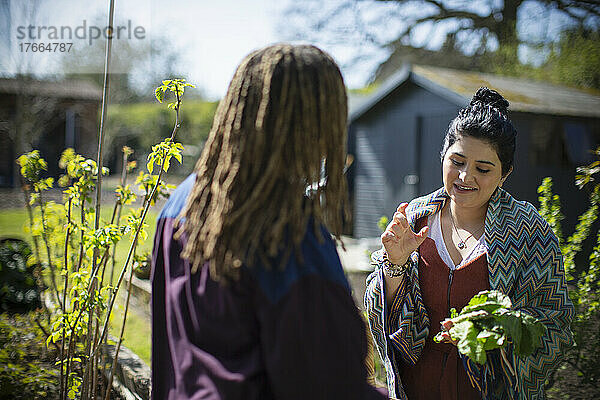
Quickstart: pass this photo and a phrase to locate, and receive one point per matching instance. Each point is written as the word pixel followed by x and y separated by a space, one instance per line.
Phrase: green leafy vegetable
pixel 488 323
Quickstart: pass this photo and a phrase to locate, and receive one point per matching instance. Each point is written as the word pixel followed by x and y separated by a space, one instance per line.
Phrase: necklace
pixel 463 242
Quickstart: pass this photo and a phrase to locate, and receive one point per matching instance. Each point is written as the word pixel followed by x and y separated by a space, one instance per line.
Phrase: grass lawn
pixel 137 329
pixel 11 222
pixel 138 333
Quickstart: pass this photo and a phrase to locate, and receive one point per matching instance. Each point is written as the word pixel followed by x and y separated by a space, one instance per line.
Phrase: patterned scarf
pixel 524 262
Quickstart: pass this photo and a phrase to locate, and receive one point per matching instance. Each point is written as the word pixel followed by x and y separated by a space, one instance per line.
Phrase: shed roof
pixel 457 86
pixel 74 89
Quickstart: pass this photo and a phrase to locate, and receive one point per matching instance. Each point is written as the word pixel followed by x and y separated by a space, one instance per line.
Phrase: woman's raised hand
pixel 399 239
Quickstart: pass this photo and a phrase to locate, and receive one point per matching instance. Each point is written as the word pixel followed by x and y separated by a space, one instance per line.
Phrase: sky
pixel 209 38
pixel 206 40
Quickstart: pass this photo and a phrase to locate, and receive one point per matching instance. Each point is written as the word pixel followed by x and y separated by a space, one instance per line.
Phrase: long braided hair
pixel 280 127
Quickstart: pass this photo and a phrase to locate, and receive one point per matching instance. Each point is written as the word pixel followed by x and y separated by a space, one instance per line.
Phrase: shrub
pixel 18 289
pixel 27 368
pixel 578 376
pixel 78 246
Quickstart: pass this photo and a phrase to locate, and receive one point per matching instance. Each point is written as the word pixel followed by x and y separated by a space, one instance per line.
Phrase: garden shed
pixel 396 133
pixel 48 116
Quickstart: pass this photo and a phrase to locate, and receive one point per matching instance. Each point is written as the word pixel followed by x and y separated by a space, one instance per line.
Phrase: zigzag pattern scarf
pixel 524 262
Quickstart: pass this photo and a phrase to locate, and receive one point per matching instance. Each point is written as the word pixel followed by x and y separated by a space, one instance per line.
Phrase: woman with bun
pixel 441 249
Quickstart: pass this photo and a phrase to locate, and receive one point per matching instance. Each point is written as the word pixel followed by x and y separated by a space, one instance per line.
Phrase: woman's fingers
pixel 402 207
pixel 399 231
pixel 401 221
pixel 399 239
pixel 388 236
pixel 400 216
pixel 422 235
pixel 448 339
pixel 447 324
pixel 397 228
pixel 402 229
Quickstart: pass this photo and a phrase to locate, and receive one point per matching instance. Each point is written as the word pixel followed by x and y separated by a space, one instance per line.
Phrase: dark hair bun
pixel 489 97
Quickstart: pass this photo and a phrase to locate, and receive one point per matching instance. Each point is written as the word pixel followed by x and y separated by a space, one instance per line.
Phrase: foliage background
pixel 139 126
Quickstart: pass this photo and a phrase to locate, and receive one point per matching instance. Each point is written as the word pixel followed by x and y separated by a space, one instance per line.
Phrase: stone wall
pixel 132 378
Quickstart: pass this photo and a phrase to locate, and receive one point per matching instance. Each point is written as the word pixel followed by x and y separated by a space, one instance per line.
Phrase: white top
pixel 435 233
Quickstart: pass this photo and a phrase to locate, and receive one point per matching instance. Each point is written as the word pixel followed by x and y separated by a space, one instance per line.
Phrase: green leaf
pixel 159 94
pixel 466 334
pixel 533 331
pixel 150 164
pixel 490 339
pixel 488 322
pixel 511 326
pixel 487 300
pixel 178 157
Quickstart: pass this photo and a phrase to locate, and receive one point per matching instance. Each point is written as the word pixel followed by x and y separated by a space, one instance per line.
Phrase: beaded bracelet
pixel 394 270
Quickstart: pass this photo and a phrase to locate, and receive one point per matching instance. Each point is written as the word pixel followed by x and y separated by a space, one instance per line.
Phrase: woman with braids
pixel 443 248
pixel 249 298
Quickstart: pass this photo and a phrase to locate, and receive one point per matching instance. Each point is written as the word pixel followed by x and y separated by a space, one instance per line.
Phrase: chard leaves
pixel 488 323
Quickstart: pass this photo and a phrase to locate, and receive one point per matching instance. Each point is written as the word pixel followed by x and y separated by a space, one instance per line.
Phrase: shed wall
pixel 397 146
pixel 397 155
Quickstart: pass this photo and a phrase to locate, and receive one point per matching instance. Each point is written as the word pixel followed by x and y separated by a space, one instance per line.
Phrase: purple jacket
pixel 291 334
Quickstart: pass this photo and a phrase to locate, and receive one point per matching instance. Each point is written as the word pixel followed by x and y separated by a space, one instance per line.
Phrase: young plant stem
pixel 116 357
pixel 82 220
pixel 137 232
pixel 98 358
pixel 66 256
pixel 85 387
pixel 117 214
pixel 68 369
pixel 115 290
pixel 95 360
pixel 97 312
pixel 114 252
pixel 119 207
pixel 74 325
pixel 36 245
pixel 93 340
pixel 114 247
pixel 75 303
pixel 89 292
pixel 45 239
pixel 66 284
pixel 105 92
pixel 45 332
